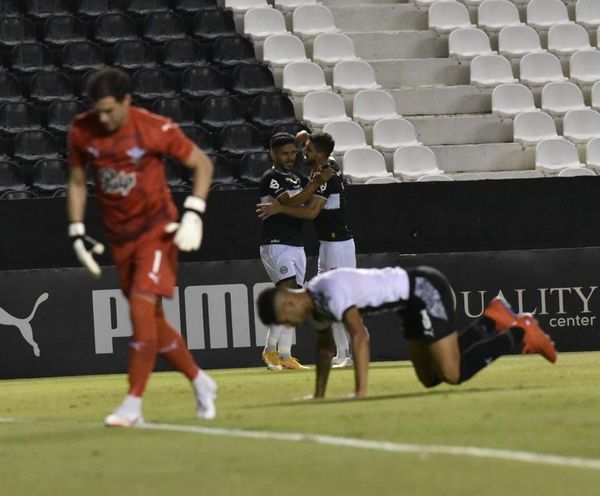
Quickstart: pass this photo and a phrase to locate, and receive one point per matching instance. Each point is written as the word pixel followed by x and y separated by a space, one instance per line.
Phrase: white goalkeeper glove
pixel 189 231
pixel 85 256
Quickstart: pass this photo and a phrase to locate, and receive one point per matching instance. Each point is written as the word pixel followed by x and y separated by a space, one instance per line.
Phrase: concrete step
pixel 388 17
pixel 478 176
pixel 441 100
pixel 462 129
pixel 412 73
pixel 399 44
pixel 487 157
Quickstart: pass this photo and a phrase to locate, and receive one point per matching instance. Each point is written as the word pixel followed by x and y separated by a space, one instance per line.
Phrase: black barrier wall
pixel 63 322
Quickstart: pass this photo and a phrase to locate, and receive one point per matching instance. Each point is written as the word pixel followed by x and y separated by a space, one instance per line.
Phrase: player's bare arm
pixel 325 352
pixel 308 211
pixel 360 349
pixel 76 195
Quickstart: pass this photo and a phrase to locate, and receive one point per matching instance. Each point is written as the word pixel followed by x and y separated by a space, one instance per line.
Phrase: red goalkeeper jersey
pixel 129 173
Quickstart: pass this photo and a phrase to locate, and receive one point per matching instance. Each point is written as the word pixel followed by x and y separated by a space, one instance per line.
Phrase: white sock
pixel 284 347
pixel 340 336
pixel 131 404
pixel 273 335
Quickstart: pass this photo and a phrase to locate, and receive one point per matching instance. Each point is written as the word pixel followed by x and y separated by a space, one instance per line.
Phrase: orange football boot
pixel 500 312
pixel 535 340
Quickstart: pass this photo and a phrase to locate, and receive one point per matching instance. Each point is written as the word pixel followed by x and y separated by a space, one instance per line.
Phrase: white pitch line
pixel 519 456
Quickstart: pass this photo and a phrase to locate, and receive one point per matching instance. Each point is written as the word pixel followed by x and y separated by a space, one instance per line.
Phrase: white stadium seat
pixel 290 5
pixel 412 162
pixel 310 20
pixel 566 39
pixel 446 16
pixel 383 180
pixel 587 13
pixel 542 14
pixel 259 23
pixel 300 78
pixel 538 69
pixel 362 164
pixel 596 96
pixel 351 76
pixel 553 155
pixel 529 128
pixel 466 43
pixel 493 15
pixel 592 155
pixel 429 178
pixel 243 6
pixel 581 171
pixel 585 67
pixel 491 70
pixel 392 133
pixel 580 126
pixel 321 107
pixel 559 98
pixel 473 3
pixel 331 48
pixel 347 136
pixel 428 3
pixel 372 105
pixel 510 99
pixel 517 41
pixel 281 49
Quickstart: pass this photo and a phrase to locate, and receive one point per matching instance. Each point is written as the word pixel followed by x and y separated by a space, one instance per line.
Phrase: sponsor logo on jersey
pixel 294 181
pixel 116 183
pixel 136 153
pixel 274 184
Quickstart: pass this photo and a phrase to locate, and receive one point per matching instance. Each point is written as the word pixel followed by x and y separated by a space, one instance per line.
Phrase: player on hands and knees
pixel 123 146
pixel 423 299
pixel 327 208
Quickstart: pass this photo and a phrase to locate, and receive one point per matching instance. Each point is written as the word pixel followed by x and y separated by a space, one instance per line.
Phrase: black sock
pixel 479 329
pixel 481 354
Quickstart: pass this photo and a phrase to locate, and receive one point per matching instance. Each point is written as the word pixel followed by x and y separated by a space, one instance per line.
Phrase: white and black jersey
pixel 280 228
pixel 331 223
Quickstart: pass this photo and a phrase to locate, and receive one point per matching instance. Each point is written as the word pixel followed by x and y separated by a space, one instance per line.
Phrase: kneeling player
pixel 424 300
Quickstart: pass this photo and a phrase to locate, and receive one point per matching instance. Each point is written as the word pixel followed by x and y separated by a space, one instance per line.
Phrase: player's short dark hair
pixel 109 81
pixel 281 139
pixel 266 306
pixel 323 142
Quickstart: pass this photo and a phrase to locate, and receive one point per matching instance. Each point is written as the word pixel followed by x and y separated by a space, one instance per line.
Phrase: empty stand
pixel 592 155
pixel 149 84
pixel 237 139
pixel 509 100
pixel 60 113
pixel 331 48
pixel 445 17
pixel 200 136
pixel 253 166
pixel 493 15
pixel 543 14
pixel 112 27
pixel 529 128
pixel 177 109
pixel 321 107
pixel 300 78
pixel 538 69
pixel 466 43
pixel 369 106
pixel 580 126
pixel 595 96
pixel 219 111
pixel 576 172
pixel 516 41
pixel 587 13
pixel 185 52
pixel 50 175
pixel 160 27
pixel 31 57
pixel 392 133
pixel 559 98
pixel 192 7
pixel 413 161
pixel 362 164
pixel 200 82
pixel 268 111
pixel 82 56
pixel 553 155
pixel 209 24
pixel 347 135
pixel 585 67
pixel 18 116
pixel 10 88
pixel 15 30
pixel 491 70
pixel 308 21
pixel 250 80
pixel 33 145
pixel 90 9
pixel 225 173
pixel 47 86
pixel 41 9
pixel 351 76
pixel 566 39
pixel 141 8
pixel 233 50
pixel 281 49
pixel 132 55
pixel 62 29
pixel 12 177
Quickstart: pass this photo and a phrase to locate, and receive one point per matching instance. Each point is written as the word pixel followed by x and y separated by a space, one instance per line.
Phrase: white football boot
pixel 128 414
pixel 206 393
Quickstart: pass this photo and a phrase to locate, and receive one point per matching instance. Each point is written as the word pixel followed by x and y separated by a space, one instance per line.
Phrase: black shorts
pixel 429 313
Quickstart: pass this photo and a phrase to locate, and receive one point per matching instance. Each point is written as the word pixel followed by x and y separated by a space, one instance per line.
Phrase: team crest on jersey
pixel 274 184
pixel 136 153
pixel 116 183
pixel 94 152
pixel 323 187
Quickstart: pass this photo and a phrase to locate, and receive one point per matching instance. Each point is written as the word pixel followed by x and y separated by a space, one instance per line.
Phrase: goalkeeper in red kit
pixel 123 145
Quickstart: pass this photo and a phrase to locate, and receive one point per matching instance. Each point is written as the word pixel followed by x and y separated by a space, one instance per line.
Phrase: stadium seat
pixel 200 136
pixel 369 106
pixel 237 139
pixel 50 175
pixel 516 41
pixel 362 164
pixel 538 69
pixel 587 13
pixel 268 111
pixel 90 9
pixel 566 39
pixel 219 111
pixel 308 21
pixel 62 29
pixel 466 43
pixel 82 56
pixel 413 161
pixel 331 48
pixel 47 86
pixel 141 8
pixel 351 76
pixel 177 109
pixel 282 49
pixel 200 82
pixel 60 113
pixel 430 178
pixel 300 78
pixel 592 155
pixel 10 8
pixel 149 84
pixel 251 80
pixel 240 7
pixel 321 107
pixel 31 57
pixel 383 180
pixel 529 128
pixel 112 27
pixel 595 96
pixel 580 126
pixel 41 9
pixel 392 133
pixel 209 24
pixel 543 14
pixel 15 30
pixel 224 171
pixel 293 128
pixel 10 88
pixel 233 50
pixel 553 155
pixel 18 195
pixel 576 172
pixel 132 55
pixel 585 67
pixel 182 53
pixel 347 135
pixel 493 15
pixel 33 145
pixel 192 7
pixel 12 177
pixel 559 98
pixel 174 174
pixel 444 17
pixel 262 22
pixel 160 27
pixel 491 70
pixel 253 166
pixel 291 5
pixel 18 116
pixel 510 99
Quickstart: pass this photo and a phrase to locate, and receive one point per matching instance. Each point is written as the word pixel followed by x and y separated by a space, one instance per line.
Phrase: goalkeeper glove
pixel 85 255
pixel 189 231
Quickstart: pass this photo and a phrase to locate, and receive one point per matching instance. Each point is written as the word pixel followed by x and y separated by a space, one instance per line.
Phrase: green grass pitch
pixel 58 446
